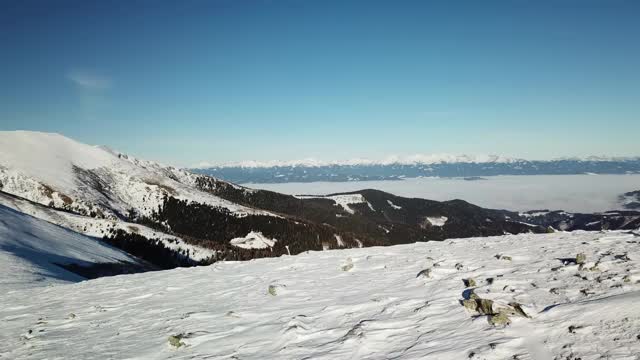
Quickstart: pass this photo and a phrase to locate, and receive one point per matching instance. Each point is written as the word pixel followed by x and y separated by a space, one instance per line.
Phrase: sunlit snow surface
pixel 576 193
pixel 376 309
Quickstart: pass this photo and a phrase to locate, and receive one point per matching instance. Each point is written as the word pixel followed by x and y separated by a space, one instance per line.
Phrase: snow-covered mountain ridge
pixel 400 302
pixel 56 171
pixel 99 192
pixel 416 159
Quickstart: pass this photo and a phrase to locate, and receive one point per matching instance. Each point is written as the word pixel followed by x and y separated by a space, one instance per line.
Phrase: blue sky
pixel 189 81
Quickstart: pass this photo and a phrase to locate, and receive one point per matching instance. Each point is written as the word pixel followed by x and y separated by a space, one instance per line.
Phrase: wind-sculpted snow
pixel 350 304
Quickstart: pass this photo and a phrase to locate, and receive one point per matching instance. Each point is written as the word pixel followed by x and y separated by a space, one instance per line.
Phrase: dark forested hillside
pixel 376 218
pixel 308 223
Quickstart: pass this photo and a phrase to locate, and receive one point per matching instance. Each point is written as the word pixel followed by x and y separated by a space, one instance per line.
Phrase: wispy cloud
pixel 89 80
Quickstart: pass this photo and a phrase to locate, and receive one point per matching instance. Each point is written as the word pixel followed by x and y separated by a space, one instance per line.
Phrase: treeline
pixel 156 253
pixel 153 251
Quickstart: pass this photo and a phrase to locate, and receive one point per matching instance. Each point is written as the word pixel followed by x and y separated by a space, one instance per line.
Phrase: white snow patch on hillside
pixel 30 250
pixel 343 200
pixel 394 205
pixel 437 220
pixel 378 309
pixel 253 240
pixel 339 241
pixel 534 214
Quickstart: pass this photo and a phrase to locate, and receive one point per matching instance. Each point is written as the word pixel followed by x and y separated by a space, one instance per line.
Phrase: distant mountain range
pixel 471 168
pixel 170 217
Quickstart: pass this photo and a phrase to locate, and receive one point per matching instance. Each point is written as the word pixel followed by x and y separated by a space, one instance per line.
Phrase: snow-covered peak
pixel 54 170
pixel 49 157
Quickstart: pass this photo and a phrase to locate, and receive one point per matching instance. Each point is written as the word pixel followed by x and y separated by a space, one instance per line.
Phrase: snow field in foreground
pixel 349 304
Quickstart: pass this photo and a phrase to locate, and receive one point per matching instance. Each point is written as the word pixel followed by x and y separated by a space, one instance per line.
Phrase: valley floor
pixel 348 304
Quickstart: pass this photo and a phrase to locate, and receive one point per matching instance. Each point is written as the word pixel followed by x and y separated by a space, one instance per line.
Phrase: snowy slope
pixel 57 171
pixel 96 227
pixel 349 304
pixel 30 250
